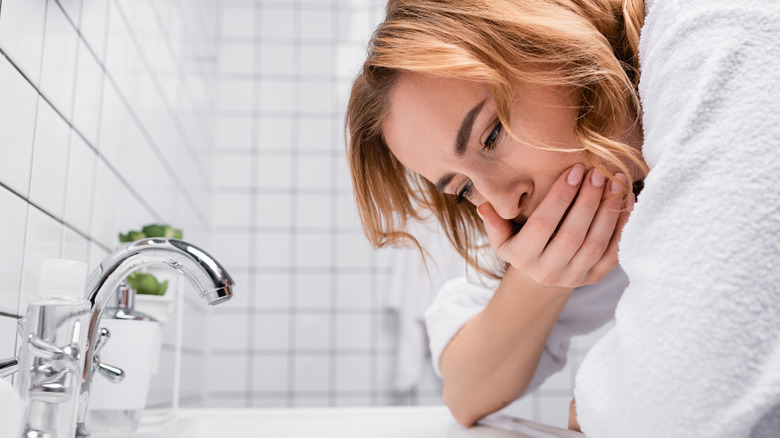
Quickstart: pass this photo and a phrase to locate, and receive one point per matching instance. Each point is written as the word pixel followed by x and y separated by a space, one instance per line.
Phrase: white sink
pixel 378 422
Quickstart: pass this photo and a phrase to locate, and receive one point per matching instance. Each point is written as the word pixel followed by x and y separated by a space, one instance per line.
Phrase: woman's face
pixel 448 131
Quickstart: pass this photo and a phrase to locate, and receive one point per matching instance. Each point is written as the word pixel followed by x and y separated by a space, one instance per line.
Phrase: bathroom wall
pixel 224 118
pixel 309 327
pixel 106 111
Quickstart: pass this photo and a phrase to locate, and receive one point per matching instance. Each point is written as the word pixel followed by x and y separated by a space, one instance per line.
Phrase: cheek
pixel 556 131
pixel 542 167
pixel 546 117
pixel 522 159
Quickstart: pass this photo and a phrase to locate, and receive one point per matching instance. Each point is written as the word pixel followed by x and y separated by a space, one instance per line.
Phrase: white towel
pixel 411 290
pixel 695 351
pixel 589 307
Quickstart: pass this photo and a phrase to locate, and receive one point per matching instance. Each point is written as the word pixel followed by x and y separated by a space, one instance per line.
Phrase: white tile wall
pixel 272 290
pixel 50 152
pixel 18 106
pixel 59 59
pixel 14 217
pixel 21 35
pixel 78 185
pixel 314 299
pixel 87 145
pixel 271 378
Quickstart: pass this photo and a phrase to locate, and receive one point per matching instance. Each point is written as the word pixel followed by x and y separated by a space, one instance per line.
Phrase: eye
pixel 464 193
pixel 493 137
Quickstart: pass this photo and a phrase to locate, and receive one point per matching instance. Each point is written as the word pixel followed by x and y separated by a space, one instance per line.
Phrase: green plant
pixel 153 230
pixel 148 284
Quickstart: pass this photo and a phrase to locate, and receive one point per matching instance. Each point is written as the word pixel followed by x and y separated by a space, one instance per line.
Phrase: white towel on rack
pixel 410 292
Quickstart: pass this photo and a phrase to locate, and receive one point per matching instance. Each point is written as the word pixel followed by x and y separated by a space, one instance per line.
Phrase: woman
pixel 530 110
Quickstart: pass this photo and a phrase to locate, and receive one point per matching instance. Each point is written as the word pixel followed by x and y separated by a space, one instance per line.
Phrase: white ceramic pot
pixel 133 348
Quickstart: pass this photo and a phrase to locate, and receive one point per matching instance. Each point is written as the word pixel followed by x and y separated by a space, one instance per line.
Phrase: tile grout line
pixel 29 182
pixel 70 133
pixel 253 205
pixel 294 139
pixel 333 375
pixel 99 124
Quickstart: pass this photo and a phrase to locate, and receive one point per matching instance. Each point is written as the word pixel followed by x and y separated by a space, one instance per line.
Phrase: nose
pixel 505 195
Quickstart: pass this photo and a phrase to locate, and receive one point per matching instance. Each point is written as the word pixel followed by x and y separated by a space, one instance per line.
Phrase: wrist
pixel 521 280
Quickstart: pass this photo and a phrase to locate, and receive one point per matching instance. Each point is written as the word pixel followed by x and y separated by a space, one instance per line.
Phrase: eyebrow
pixel 461 140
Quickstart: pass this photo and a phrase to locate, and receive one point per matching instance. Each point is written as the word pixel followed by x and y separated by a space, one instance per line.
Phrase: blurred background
pixel 223 118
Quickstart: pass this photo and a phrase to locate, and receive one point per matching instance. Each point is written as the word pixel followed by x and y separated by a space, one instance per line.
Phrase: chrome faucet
pixel 202 270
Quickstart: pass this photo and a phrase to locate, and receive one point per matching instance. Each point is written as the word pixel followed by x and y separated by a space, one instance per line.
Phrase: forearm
pixel 492 359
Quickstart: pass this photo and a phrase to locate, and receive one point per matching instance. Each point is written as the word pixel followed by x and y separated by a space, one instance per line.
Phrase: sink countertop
pixel 373 422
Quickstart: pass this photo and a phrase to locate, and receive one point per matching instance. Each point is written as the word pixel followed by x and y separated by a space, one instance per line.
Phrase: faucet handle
pixel 110 372
pixel 51 385
pixel 44 350
pixel 103 337
pixel 8 366
pixel 53 370
pixel 56 358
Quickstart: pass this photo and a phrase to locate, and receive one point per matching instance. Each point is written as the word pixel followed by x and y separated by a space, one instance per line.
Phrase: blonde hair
pixel 589 45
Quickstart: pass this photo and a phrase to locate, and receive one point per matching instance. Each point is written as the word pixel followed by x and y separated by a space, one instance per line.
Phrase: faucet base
pixel 81 430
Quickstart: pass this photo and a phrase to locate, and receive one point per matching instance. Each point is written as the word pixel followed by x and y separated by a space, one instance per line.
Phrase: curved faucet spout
pixel 195 264
pixel 202 270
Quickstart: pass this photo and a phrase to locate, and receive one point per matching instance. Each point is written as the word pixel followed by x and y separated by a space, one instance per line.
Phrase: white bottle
pixel 133 347
pixel 62 280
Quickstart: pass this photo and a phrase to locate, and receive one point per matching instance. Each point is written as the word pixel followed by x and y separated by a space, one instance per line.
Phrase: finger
pixel 575 227
pixel 498 229
pixel 610 258
pixel 573 423
pixel 602 229
pixel 545 219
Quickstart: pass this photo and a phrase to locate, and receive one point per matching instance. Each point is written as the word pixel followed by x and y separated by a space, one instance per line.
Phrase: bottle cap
pixel 61 277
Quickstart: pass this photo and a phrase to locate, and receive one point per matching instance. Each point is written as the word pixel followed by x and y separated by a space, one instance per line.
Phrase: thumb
pixel 498 229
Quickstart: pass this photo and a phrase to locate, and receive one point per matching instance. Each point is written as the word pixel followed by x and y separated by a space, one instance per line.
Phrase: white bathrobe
pixel 589 308
pixel 695 350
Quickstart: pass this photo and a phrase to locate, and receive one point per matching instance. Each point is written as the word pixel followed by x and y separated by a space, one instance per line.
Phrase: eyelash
pixel 493 137
pixel 490 144
pixel 463 194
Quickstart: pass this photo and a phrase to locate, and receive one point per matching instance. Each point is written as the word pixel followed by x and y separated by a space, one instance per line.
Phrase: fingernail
pixel 597 178
pixel 576 174
pixel 614 186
